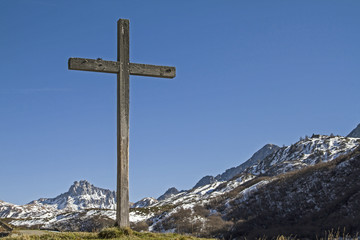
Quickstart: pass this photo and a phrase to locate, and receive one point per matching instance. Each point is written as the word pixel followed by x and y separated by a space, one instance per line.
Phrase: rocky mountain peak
pixel 82 187
pixel 230 173
pixel 355 133
pixel 205 181
pixel 264 152
pixel 258 156
pixel 306 152
pixel 145 202
pixel 170 192
pixel 81 195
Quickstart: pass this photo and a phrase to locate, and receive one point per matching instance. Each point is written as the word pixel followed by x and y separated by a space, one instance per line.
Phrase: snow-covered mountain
pixel 287 174
pixel 169 193
pixel 81 195
pixel 305 203
pixel 258 156
pixel 50 212
pixel 85 207
pixel 145 202
pixel 307 152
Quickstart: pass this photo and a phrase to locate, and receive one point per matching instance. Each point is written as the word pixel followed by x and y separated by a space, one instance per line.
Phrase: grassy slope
pixel 111 233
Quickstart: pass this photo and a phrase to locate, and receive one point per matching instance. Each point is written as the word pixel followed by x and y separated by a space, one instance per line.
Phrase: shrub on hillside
pixel 139 226
pixel 114 232
pixel 201 211
pixel 216 226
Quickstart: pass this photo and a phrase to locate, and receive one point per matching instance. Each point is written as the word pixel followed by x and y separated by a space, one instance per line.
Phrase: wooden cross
pixel 123 68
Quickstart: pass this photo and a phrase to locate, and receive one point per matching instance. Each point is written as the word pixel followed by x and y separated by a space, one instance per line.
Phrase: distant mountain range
pixel 81 195
pixel 311 184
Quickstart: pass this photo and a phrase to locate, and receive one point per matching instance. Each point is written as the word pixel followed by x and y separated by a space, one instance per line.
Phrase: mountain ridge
pixel 81 195
pixel 170 192
pixel 232 172
pixel 327 192
pixel 355 133
pixel 199 207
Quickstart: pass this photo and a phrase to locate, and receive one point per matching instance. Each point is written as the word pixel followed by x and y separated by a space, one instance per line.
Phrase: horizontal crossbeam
pixel 99 65
pixel 152 70
pixel 93 65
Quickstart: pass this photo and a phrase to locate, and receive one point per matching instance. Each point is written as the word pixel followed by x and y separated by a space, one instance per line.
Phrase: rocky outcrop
pixel 145 202
pixel 261 154
pixel 170 192
pixel 230 173
pixel 355 133
pixel 205 181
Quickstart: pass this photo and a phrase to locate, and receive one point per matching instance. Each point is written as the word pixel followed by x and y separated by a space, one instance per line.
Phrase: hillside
pixel 230 206
pixel 315 199
pixel 305 182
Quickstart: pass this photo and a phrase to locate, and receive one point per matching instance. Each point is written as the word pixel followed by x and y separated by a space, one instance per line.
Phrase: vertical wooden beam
pixel 123 68
pixel 122 193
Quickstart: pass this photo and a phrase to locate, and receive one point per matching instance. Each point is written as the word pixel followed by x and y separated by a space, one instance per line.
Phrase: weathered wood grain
pixel 152 70
pixel 93 65
pixel 123 87
pixel 99 65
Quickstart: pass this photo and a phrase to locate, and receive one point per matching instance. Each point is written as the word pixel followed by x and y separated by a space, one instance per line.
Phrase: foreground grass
pixel 110 233
pixel 128 234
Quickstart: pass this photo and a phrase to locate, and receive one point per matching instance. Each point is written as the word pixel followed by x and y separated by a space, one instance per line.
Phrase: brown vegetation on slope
pixel 304 203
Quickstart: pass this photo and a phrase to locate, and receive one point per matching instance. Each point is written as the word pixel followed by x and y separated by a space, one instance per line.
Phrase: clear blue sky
pixel 248 73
